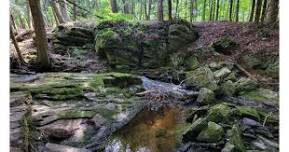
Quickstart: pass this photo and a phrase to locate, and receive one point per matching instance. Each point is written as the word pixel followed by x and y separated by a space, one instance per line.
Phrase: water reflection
pixel 149 131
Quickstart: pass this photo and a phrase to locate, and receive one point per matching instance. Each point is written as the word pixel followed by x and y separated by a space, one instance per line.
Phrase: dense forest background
pixel 60 11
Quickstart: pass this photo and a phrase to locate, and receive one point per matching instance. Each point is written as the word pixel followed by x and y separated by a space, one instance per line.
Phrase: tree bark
pixel 160 10
pixel 125 6
pixel 231 10
pixel 40 34
pixel 217 10
pixel 149 9
pixel 55 7
pixel 204 10
pixel 113 5
pixel 74 10
pixel 252 10
pixel 55 18
pixel 237 10
pixel 177 9
pixel 63 9
pixel 273 11
pixel 191 11
pixel 30 24
pixel 258 11
pixel 13 22
pixel 264 10
pixel 14 41
pixel 170 10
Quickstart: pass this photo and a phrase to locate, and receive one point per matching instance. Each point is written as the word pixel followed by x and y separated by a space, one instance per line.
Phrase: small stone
pixel 222 73
pixel 206 96
pixel 213 133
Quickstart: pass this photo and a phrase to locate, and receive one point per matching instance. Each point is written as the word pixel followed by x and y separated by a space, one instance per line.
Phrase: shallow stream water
pixel 149 131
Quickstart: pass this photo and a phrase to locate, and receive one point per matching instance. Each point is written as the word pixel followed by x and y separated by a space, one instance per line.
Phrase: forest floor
pixel 253 39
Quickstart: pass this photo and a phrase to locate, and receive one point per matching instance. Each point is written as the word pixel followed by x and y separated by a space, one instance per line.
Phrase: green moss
pixel 76 114
pixel 261 94
pixel 249 112
pixel 235 140
pixel 220 113
pixel 212 133
pixel 57 93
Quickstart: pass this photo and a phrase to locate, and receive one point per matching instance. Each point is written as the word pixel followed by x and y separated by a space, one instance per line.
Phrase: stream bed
pixel 150 131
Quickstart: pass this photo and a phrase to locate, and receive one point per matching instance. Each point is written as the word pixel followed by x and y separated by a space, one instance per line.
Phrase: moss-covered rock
pixel 261 94
pixel 222 73
pixel 248 112
pixel 193 131
pixel 212 133
pixel 206 96
pixel 245 84
pixel 228 88
pixel 224 45
pixel 235 143
pixel 201 77
pixel 220 113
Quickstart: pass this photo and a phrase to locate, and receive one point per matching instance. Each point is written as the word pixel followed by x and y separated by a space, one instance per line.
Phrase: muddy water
pixel 150 131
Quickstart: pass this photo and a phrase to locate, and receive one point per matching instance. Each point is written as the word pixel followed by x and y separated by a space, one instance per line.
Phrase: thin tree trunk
pixel 177 9
pixel 258 11
pixel 13 22
pixel 14 41
pixel 63 9
pixel 141 10
pixel 160 10
pixel 170 10
pixel 191 11
pixel 237 10
pixel 211 10
pixel 273 11
pixel 57 11
pixel 149 9
pixel 125 6
pixel 40 34
pixel 55 18
pixel 217 10
pixel 264 10
pixel 22 22
pixel 30 24
pixel 252 11
pixel 231 10
pixel 113 5
pixel 204 10
pixel 74 10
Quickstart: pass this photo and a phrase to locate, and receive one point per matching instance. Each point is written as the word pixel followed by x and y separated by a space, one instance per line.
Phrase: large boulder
pixel 220 113
pixel 142 44
pixel 201 77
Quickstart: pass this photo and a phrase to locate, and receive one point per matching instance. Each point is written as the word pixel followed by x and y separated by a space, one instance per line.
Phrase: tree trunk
pixel 217 10
pixel 177 9
pixel 149 9
pixel 13 22
pixel 63 9
pixel 56 19
pixel 191 11
pixel 237 10
pixel 170 10
pixel 40 34
pixel 264 10
pixel 258 11
pixel 141 10
pixel 252 11
pixel 273 11
pixel 14 41
pixel 125 6
pixel 231 10
pixel 74 10
pixel 113 5
pixel 30 24
pixel 57 11
pixel 204 10
pixel 211 10
pixel 160 10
